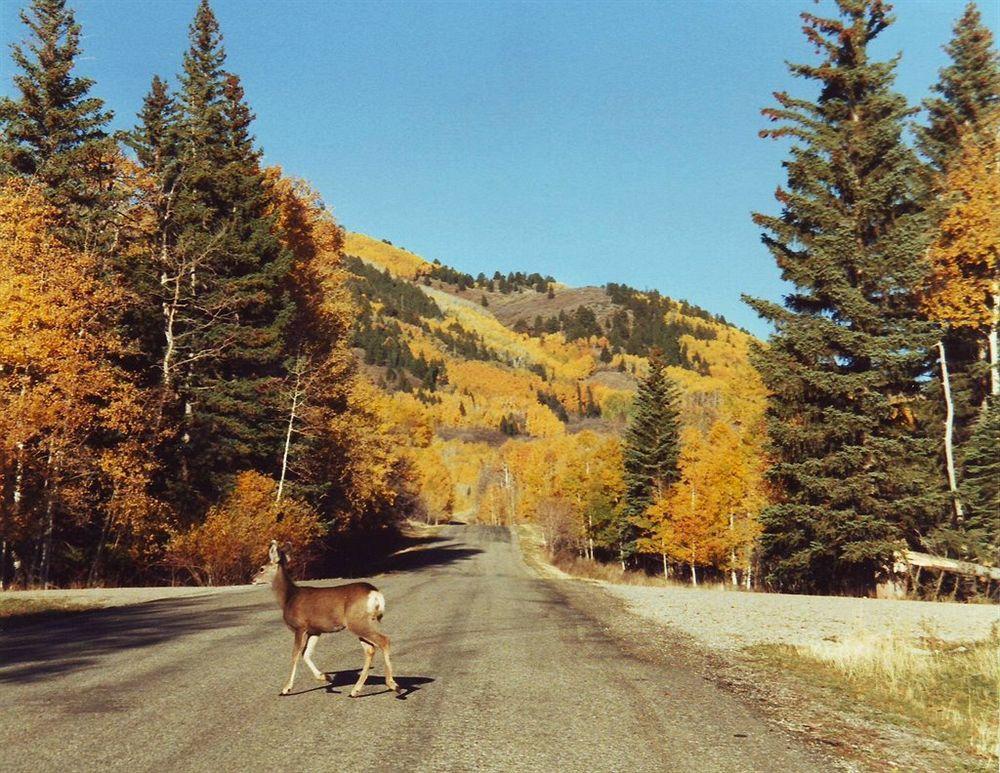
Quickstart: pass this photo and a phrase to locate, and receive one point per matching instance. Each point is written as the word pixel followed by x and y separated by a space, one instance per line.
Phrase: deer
pixel 309 612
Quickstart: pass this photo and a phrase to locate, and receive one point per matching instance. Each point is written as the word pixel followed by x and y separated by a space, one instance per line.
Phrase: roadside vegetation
pixel 943 689
pixel 15 608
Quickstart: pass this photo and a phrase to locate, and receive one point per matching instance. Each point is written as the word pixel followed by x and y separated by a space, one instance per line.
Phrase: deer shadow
pixel 348 676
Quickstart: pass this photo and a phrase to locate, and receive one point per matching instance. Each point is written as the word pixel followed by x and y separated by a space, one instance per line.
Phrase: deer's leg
pixel 307 657
pixel 381 641
pixel 369 655
pixel 299 646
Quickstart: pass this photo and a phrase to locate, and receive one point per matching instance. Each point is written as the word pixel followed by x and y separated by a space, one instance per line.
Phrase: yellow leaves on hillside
pixel 435 484
pixel 564 361
pixel 965 257
pixel 400 262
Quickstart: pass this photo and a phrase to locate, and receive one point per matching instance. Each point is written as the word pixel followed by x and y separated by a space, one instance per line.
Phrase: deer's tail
pixel 376 605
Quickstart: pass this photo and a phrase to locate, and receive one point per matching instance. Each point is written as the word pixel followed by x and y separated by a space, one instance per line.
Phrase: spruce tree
pixel 236 322
pixel 967 89
pixel 651 450
pixel 54 131
pixel 981 488
pixel 846 362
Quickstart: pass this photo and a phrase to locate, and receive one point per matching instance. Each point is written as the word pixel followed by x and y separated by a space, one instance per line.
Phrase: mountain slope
pixel 470 365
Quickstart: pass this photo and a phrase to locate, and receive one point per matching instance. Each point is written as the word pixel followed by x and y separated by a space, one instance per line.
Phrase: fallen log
pixel 966 568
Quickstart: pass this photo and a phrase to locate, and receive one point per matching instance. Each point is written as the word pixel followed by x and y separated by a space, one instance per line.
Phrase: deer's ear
pixel 274 554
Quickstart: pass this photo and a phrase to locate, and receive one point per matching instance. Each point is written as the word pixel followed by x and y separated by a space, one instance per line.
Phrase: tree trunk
pixel 732 552
pixel 288 434
pixel 949 429
pixel 694 575
pixel 105 528
pixel 664 565
pixel 52 471
pixel 994 365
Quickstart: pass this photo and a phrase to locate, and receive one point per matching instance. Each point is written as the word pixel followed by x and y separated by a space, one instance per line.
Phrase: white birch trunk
pixel 994 365
pixel 50 488
pixel 949 429
pixel 732 551
pixel 694 575
pixel 288 434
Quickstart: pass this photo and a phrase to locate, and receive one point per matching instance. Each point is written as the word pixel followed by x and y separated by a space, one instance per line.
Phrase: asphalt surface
pixel 503 670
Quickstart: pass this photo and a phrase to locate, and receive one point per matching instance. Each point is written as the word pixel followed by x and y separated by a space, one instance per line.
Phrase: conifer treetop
pixel 967 89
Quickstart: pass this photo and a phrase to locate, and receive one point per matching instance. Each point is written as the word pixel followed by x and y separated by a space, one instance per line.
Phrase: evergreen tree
pixel 54 131
pixel 967 89
pixel 651 450
pixel 847 360
pixel 981 488
pixel 234 273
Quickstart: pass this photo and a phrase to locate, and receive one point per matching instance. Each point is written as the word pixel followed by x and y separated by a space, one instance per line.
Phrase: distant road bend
pixel 500 672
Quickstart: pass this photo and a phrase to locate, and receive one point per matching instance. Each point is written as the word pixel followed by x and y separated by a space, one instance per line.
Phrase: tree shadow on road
pixel 80 640
pixel 423 557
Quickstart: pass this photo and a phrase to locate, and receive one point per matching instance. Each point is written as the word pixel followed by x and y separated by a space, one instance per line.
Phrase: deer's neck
pixel 283 586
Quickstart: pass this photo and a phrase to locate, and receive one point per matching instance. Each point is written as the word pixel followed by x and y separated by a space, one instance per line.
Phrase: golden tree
pixel 67 413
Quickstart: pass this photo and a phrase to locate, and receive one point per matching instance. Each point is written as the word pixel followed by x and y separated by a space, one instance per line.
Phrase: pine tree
pixel 846 363
pixel 651 450
pixel 223 363
pixel 981 488
pixel 55 131
pixel 968 89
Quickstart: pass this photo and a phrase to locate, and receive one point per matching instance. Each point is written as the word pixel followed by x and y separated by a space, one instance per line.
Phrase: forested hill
pixel 484 368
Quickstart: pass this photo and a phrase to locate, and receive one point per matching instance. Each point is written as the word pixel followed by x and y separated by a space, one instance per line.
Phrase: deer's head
pixel 276 558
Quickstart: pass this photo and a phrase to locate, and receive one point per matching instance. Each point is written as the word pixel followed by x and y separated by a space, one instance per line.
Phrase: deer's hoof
pixel 395 687
pixel 354 694
pixel 284 691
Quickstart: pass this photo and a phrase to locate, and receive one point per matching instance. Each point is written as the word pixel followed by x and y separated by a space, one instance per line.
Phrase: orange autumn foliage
pixel 228 545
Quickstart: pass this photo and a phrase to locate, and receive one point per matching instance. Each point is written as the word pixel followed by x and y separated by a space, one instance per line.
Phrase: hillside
pixel 483 372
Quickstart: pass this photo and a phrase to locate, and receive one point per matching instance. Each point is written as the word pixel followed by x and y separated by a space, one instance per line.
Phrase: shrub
pixel 232 540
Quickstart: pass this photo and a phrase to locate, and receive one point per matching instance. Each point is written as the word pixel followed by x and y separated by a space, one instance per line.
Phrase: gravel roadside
pixel 731 620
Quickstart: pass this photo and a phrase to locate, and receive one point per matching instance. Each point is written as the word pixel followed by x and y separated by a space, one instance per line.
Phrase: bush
pixel 232 541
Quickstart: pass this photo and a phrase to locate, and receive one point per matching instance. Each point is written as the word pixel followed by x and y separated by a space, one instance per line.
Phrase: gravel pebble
pixel 731 620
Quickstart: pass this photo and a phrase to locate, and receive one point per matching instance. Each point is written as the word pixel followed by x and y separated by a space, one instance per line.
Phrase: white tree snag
pixel 994 365
pixel 949 429
pixel 296 394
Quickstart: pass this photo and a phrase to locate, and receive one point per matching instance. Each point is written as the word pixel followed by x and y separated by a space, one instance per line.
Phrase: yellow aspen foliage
pixel 65 408
pixel 436 485
pixel 400 262
pixel 541 422
pixel 965 256
pixel 709 517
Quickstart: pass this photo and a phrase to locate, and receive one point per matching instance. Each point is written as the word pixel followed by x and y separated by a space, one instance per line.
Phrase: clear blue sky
pixel 593 141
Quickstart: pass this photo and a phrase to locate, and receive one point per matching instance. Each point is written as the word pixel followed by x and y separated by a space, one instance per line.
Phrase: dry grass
pixel 949 691
pixel 13 607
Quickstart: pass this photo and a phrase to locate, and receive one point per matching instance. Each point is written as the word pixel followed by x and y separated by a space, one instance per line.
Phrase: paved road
pixel 502 672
